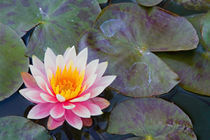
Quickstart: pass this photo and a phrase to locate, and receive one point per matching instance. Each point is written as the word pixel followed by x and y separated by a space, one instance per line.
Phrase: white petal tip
pixel 60 98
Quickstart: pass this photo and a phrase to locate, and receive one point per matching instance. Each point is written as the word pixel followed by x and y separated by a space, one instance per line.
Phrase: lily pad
pixel 59 23
pixel 154 28
pixel 192 67
pixel 201 24
pixel 148 2
pixel 193 4
pixel 151 118
pixel 102 1
pixel 19 128
pixel 139 72
pixel 12 61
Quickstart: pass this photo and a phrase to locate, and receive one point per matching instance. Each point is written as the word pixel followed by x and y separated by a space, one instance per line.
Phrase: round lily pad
pixel 193 4
pixel 154 28
pixel 205 31
pixel 102 1
pixel 152 119
pixel 139 72
pixel 192 67
pixel 19 128
pixel 12 61
pixel 59 23
pixel 148 2
pixel 202 26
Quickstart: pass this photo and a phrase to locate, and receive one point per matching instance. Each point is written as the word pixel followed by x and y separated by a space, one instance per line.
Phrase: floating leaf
pixel 12 61
pixel 151 118
pixel 102 1
pixel 139 72
pixel 193 68
pixel 19 128
pixel 205 31
pixel 192 4
pixel 155 28
pixel 148 2
pixel 201 24
pixel 58 23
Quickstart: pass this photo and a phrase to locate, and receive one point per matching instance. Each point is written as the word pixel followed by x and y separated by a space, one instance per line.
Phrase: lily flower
pixel 65 88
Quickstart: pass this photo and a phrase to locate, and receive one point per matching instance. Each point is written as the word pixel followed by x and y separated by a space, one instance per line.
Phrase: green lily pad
pixel 154 28
pixel 193 4
pixel 19 128
pixel 193 69
pixel 12 61
pixel 59 23
pixel 201 24
pixel 205 31
pixel 151 118
pixel 102 1
pixel 139 72
pixel 148 2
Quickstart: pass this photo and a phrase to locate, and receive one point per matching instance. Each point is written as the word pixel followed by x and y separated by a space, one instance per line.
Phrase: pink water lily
pixel 65 87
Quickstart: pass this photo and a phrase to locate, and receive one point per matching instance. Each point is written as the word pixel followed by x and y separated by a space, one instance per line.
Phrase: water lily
pixel 65 87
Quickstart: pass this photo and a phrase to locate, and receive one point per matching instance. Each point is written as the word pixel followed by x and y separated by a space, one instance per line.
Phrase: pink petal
pixel 70 55
pixel 105 80
pixel 48 98
pixel 28 80
pixel 73 119
pixel 43 85
pixel 57 111
pixel 60 62
pixel 85 97
pixel 101 68
pixel 37 63
pixel 91 68
pixel 53 123
pixel 96 91
pixel 50 60
pixel 32 95
pixel 36 72
pixel 90 80
pixel 60 98
pixel 81 111
pixel 40 111
pixel 101 102
pixel 68 105
pixel 81 59
pixel 93 108
pixel 87 121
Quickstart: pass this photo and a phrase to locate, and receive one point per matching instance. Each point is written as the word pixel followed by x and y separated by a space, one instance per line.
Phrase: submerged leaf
pixel 19 128
pixel 58 23
pixel 151 118
pixel 12 61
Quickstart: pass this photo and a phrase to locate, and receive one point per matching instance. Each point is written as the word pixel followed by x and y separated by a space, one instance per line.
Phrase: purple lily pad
pixel 201 24
pixel 153 28
pixel 58 23
pixel 151 118
pixel 192 4
pixel 12 61
pixel 139 72
pixel 193 69
pixel 148 2
pixel 19 128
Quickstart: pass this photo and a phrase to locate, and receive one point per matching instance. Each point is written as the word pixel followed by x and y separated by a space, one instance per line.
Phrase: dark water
pixel 197 107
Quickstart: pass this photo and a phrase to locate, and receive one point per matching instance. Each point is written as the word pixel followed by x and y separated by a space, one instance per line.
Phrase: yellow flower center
pixel 68 82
